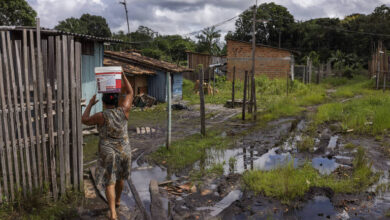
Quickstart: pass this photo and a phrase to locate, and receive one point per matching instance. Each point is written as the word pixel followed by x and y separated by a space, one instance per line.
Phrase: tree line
pixel 347 42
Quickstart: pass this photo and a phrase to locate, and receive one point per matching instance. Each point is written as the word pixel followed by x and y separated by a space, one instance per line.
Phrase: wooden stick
pixel 78 111
pixel 50 124
pixel 169 109
pixel 66 108
pixel 244 100
pixel 202 107
pixel 4 124
pixel 73 88
pixel 59 115
pixel 11 84
pixel 38 137
pixel 29 109
pixel 41 90
pixel 22 112
pixel 233 85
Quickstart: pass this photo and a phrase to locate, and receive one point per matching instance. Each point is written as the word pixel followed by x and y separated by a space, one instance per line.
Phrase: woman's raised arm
pixel 127 102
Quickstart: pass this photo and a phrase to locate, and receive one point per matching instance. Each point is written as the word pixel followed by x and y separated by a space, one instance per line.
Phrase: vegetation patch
pixel 91 147
pixel 366 115
pixel 306 144
pixel 288 183
pixel 187 151
pixel 197 176
pixel 39 205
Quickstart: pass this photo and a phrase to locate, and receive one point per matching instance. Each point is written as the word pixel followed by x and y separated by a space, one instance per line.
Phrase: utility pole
pixel 127 17
pixel 169 109
pixel 253 88
pixel 280 38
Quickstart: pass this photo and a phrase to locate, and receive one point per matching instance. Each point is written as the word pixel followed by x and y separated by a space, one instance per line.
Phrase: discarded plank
pixel 26 82
pixel 4 146
pixel 38 137
pixel 23 145
pixel 156 207
pixel 50 124
pixel 59 115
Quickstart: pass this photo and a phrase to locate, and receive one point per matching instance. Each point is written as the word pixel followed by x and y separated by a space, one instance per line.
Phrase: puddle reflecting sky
pixel 324 165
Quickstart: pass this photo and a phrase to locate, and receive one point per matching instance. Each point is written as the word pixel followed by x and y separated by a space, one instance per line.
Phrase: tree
pixel 16 12
pixel 208 41
pixel 276 20
pixel 87 24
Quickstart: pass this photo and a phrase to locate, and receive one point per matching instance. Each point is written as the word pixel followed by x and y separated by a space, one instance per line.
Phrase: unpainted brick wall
pixel 271 62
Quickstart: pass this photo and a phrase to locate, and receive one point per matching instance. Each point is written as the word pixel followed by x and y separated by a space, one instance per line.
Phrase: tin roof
pixel 128 68
pixel 146 62
pixel 58 32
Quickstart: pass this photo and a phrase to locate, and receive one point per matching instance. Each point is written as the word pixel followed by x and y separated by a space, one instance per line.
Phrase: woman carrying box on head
pixel 114 163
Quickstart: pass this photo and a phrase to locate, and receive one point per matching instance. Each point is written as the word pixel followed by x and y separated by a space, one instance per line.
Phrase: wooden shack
pixel 149 75
pixel 194 59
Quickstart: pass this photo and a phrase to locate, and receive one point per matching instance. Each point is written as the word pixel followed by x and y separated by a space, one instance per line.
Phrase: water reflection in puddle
pixel 247 158
pixel 324 165
pixel 319 207
pixel 224 203
pixel 141 179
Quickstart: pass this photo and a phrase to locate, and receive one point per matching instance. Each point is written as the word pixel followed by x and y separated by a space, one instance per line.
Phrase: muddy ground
pixel 264 148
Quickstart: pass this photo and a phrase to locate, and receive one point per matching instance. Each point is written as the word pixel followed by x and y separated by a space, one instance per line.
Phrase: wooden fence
pixel 40 113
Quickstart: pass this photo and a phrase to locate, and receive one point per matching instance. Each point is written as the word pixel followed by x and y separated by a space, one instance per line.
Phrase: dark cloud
pixel 184 16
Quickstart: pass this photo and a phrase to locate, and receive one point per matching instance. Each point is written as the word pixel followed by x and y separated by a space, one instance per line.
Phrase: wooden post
pixel 244 99
pixel 202 107
pixel 253 83
pixel 318 74
pixel 12 109
pixel 304 75
pixel 169 109
pixel 287 79
pixel 292 68
pixel 233 85
pixel 249 94
pixel 213 69
pixel 41 90
pixel 59 114
pixel 4 139
pixel 253 97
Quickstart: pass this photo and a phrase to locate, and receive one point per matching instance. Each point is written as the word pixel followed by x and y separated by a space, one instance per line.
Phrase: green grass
pixel 306 144
pixel 39 206
pixel 187 151
pixel 91 148
pixel 149 116
pixel 288 183
pixel 366 115
pixel 350 146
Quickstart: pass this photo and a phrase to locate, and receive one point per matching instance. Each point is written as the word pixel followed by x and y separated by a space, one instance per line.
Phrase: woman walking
pixel 114 163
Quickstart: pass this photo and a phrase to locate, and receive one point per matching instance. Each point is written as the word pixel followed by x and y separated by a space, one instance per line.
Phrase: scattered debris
pixel 144 100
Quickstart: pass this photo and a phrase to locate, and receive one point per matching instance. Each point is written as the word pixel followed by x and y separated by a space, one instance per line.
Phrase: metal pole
pixel 253 97
pixel 169 109
pixel 127 17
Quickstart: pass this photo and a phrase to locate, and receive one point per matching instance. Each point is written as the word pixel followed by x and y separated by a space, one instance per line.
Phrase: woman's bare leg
pixel 110 194
pixel 118 191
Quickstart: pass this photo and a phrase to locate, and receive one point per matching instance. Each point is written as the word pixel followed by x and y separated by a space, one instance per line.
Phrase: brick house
pixel 270 61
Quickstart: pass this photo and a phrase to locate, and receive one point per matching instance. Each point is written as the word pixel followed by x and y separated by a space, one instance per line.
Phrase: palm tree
pixel 208 40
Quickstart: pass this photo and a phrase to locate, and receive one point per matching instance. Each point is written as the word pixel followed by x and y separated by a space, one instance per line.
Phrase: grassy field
pixel 288 183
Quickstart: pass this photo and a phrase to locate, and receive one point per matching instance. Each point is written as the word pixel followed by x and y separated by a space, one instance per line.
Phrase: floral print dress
pixel 114 161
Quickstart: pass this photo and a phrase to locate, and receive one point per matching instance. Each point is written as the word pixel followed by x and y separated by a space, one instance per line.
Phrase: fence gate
pixel 40 112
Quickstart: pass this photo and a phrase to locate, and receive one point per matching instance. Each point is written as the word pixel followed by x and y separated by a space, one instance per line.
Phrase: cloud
pixel 185 16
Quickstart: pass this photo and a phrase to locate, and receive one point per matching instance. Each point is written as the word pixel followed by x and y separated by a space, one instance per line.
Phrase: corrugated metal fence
pixel 40 113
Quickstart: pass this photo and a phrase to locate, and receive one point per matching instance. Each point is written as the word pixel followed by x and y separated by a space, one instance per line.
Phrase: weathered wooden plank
pixel 244 99
pixel 12 103
pixel 59 114
pixel 3 124
pixel 75 172
pixel 29 109
pixel 156 207
pixel 51 62
pixel 23 147
pixel 36 111
pixel 41 91
pixel 65 74
pixel 50 125
pixel 78 114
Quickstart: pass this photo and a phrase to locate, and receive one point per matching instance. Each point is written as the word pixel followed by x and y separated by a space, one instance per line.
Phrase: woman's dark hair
pixel 111 99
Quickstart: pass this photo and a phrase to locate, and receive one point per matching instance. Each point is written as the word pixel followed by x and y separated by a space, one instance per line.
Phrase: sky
pixel 185 16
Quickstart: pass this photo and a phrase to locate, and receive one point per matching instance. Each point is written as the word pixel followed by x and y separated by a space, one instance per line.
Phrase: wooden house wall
pixel 88 79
